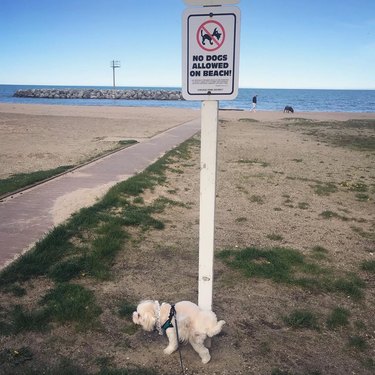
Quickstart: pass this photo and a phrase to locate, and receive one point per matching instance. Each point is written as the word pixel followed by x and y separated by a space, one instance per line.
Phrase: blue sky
pixel 284 43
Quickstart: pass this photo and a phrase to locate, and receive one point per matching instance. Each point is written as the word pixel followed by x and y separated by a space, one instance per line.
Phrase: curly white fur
pixel 194 324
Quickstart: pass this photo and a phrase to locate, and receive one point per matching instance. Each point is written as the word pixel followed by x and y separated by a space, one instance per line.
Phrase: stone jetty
pixel 136 94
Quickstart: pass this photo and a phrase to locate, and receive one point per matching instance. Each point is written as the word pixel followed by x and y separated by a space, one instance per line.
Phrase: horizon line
pixel 178 86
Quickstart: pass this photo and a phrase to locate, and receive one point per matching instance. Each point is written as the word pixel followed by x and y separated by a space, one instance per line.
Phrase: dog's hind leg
pixel 173 343
pixel 216 329
pixel 197 344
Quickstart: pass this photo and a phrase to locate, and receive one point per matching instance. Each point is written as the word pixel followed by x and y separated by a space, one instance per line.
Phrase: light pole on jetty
pixel 115 64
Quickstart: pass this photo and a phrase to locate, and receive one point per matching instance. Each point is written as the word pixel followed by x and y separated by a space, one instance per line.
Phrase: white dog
pixel 193 324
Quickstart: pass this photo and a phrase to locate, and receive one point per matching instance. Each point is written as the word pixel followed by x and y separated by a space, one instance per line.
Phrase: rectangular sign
pixel 210 53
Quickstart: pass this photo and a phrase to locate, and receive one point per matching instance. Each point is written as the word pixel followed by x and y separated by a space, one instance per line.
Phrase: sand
pixel 42 137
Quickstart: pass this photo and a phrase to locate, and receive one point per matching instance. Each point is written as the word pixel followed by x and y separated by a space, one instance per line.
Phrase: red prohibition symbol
pixel 210 35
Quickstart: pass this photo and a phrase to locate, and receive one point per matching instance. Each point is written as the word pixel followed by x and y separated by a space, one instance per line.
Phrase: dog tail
pixel 214 330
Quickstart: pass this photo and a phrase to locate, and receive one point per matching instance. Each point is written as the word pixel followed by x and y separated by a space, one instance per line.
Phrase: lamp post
pixel 115 64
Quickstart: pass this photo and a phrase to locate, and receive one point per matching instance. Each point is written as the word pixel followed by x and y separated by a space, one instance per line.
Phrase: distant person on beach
pixel 254 103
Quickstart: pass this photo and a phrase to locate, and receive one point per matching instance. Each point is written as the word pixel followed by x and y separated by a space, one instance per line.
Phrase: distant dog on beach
pixel 193 324
pixel 288 109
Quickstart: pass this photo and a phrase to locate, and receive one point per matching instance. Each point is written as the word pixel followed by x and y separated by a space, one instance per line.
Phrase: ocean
pixel 302 100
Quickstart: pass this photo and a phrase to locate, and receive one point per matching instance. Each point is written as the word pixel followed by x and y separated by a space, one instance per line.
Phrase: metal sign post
pixel 210 61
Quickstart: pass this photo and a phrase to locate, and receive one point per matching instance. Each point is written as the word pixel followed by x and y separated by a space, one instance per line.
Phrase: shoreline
pixel 91 110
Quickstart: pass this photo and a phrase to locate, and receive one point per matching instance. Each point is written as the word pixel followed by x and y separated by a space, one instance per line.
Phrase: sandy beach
pixel 41 137
pixel 300 183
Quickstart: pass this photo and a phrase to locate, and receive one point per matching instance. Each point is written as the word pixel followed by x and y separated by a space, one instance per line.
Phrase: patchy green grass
pixel 71 303
pixel 289 266
pixel 332 132
pixel 241 219
pixel 358 343
pixel 339 317
pixel 275 264
pixel 126 308
pixel 302 319
pixel 363 233
pixel 254 162
pixel 329 214
pixel 303 205
pixel 319 252
pixel 127 142
pixel 256 199
pixel 15 357
pixel 361 197
pixel 247 120
pixel 351 285
pixel 275 237
pixel 357 142
pixel 324 188
pixel 22 180
pixel 21 320
pixel 368 265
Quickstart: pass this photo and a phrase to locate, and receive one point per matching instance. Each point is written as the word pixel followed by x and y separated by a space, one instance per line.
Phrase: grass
pixel 27 320
pixel 263 164
pixel 241 219
pixel 358 343
pixel 368 265
pixel 71 302
pixel 86 246
pixel 275 237
pixel 303 205
pixel 126 309
pixel 339 317
pixel 331 132
pixel 15 357
pixel 324 188
pixel 247 120
pixel 10 359
pixel 319 252
pixel 21 180
pixel 329 214
pixel 256 199
pixel 363 233
pixel 302 319
pixel 64 303
pixel 289 266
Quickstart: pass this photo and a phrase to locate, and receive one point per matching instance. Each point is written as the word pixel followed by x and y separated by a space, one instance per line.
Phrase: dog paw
pixel 169 350
pixel 206 359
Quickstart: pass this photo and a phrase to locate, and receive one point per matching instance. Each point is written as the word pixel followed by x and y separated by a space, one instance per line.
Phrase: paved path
pixel 27 216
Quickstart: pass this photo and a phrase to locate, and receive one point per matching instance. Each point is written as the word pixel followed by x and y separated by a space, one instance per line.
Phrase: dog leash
pixel 168 324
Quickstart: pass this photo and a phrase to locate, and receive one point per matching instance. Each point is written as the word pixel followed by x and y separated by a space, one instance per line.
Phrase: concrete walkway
pixel 27 216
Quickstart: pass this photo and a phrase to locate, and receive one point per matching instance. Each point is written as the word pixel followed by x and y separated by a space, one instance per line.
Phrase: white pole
pixel 209 121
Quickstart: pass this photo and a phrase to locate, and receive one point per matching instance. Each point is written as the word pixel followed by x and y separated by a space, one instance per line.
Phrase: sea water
pixel 302 100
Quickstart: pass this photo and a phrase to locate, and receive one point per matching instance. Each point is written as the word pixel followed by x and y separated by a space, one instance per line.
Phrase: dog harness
pixel 168 323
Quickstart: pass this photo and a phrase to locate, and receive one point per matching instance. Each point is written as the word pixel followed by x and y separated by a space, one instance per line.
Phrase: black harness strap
pixel 168 324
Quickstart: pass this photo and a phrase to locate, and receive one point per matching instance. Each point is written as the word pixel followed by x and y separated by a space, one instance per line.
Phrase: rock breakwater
pixel 136 94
